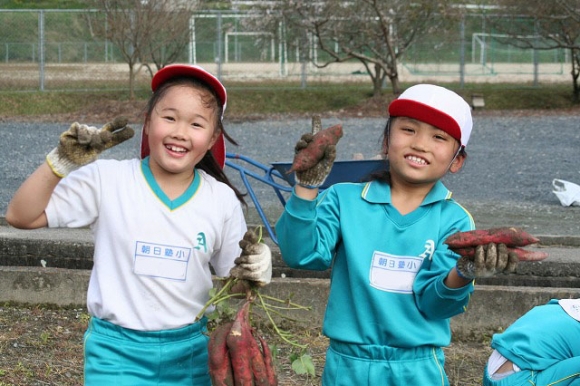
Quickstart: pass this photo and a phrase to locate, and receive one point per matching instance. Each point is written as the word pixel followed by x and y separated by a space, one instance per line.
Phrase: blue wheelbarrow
pixel 276 176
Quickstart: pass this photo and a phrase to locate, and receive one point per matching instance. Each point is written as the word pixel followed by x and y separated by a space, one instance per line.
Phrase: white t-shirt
pixel 151 261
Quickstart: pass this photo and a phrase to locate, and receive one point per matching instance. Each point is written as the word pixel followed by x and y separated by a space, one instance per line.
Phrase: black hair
pixel 384 175
pixel 208 163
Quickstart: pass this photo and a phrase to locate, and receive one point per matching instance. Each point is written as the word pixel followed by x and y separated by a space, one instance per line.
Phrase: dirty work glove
pixel 315 176
pixel 255 263
pixel 82 144
pixel 488 260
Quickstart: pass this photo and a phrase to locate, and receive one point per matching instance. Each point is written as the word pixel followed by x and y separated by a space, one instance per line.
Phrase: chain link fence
pixel 57 50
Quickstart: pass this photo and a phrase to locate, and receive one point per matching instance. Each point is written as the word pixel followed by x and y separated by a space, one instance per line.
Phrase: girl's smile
pixel 416 160
pixel 176 149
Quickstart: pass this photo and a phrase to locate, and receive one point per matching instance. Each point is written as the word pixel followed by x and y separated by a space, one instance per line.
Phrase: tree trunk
pixel 377 86
pixel 575 54
pixel 377 78
pixel 395 83
pixel 380 74
pixel 131 82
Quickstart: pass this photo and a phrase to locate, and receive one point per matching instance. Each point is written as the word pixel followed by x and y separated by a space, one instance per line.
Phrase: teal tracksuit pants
pixel 366 365
pixel 118 356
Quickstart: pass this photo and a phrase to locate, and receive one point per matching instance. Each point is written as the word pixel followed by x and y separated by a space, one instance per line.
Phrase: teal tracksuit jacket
pixel 388 269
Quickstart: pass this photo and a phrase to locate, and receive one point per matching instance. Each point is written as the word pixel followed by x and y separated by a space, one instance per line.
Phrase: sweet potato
pixel 239 341
pixel 522 254
pixel 269 362
pixel 510 236
pixel 526 255
pixel 309 156
pixel 220 367
pixel 258 365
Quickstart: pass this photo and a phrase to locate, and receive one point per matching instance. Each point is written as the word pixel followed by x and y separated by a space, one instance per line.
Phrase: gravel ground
pixel 507 179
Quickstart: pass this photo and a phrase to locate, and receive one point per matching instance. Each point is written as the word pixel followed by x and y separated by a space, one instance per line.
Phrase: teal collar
pixel 377 192
pixel 156 189
pixel 380 193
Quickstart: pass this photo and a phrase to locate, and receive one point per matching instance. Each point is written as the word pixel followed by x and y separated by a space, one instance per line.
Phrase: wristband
pixel 461 275
pixel 60 166
pixel 308 186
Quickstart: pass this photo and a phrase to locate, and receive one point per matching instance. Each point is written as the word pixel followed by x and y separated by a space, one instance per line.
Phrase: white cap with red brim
pixel 436 106
pixel 174 70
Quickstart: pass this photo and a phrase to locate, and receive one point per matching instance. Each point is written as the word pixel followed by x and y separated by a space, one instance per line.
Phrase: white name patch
pixel 394 273
pixel 163 261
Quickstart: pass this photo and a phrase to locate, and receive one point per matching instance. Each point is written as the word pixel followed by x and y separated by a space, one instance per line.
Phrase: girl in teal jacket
pixel 394 283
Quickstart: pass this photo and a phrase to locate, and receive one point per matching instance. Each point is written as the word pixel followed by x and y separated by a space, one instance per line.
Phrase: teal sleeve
pixel 300 239
pixel 433 297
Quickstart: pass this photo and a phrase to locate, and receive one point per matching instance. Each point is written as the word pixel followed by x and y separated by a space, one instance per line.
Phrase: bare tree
pixel 541 25
pixel 377 33
pixel 146 32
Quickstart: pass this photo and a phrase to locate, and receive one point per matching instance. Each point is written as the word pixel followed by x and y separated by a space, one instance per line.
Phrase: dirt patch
pixel 44 346
pixel 105 110
pixel 99 111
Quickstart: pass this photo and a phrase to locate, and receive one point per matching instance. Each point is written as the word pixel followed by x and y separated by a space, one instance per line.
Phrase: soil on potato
pixel 44 346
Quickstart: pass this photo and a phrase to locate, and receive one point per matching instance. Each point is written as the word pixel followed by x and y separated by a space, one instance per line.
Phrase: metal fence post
pixel 41 49
pixel 218 58
pixel 535 56
pixel 462 53
pixel 192 41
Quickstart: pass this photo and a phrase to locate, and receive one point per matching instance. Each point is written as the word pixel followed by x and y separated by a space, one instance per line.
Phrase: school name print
pixel 161 261
pixel 393 273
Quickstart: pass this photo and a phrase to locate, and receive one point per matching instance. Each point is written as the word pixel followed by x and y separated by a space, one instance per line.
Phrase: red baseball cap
pixel 436 106
pixel 174 70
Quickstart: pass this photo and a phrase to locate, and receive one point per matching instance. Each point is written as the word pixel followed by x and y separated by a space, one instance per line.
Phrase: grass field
pixel 246 99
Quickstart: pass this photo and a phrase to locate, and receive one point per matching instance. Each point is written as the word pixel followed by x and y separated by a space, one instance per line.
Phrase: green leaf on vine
pixel 303 365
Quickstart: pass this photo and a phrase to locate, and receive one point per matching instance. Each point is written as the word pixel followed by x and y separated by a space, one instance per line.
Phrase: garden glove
pixel 82 144
pixel 319 166
pixel 488 260
pixel 255 263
